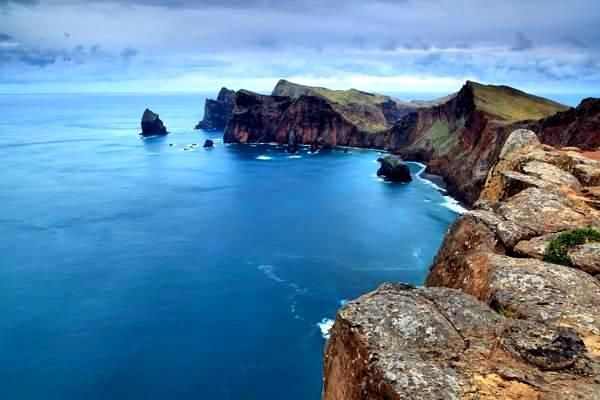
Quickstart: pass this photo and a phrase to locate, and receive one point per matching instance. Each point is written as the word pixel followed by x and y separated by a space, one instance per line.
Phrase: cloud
pixel 5 37
pixel 573 41
pixel 129 53
pixel 260 39
pixel 523 43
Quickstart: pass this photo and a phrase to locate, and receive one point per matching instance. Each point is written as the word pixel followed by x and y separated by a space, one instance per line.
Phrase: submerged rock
pixel 208 143
pixel 152 124
pixel 393 169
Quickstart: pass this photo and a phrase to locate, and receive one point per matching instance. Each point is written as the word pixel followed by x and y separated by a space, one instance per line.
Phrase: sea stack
pixel 393 169
pixel 209 144
pixel 152 124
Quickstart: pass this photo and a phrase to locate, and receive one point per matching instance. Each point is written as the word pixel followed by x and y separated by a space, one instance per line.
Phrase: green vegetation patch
pixel 511 104
pixel 508 312
pixel 439 138
pixel 558 248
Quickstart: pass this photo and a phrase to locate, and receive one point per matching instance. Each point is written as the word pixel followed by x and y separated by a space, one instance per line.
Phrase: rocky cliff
pixel 496 320
pixel 459 137
pixel 578 127
pixel 217 112
pixel 324 116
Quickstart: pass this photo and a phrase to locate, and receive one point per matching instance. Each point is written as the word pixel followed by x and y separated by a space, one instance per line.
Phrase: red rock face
pixel 465 156
pixel 458 140
pixel 314 121
pixel 579 127
pixel 255 117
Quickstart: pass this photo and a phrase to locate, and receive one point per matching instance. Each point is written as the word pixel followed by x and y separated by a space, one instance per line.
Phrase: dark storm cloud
pixel 5 37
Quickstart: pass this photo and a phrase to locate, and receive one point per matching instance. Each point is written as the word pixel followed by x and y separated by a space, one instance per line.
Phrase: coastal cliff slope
pixel 217 112
pixel 495 320
pixel 459 137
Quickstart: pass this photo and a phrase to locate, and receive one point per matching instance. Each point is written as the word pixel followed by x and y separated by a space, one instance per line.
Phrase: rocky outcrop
pixel 401 342
pixel 152 124
pixel 393 169
pixel 495 320
pixel 208 144
pixel 217 112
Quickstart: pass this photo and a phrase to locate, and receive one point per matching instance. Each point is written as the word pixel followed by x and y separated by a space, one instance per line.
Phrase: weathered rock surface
pixel 401 342
pixel 152 124
pixel 217 112
pixel 393 169
pixel 586 257
pixel 534 330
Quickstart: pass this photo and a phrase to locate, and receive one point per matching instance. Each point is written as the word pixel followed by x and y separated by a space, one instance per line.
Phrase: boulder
pixel 208 144
pixel 535 247
pixel 586 257
pixel 588 175
pixel 393 169
pixel 314 147
pixel 550 173
pixel 152 124
pixel 401 342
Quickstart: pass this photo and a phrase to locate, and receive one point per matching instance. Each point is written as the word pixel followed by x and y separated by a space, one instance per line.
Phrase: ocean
pixel 138 268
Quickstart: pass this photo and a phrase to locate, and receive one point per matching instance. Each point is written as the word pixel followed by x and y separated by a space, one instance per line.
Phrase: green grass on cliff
pixel 557 251
pixel 511 105
pixel 344 97
pixel 439 138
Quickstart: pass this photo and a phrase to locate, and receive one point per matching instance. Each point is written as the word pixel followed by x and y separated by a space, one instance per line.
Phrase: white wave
pixel 449 202
pixel 454 205
pixel 343 302
pixel 417 253
pixel 325 326
pixel 269 271
pixel 264 157
pixel 294 156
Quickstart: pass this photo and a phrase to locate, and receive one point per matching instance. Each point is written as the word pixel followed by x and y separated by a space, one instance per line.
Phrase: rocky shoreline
pixel 494 320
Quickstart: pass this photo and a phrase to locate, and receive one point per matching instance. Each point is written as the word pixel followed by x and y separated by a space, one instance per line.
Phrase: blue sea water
pixel 132 269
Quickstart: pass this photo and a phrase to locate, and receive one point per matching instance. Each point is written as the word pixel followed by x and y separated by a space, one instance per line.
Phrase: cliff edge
pixel 499 317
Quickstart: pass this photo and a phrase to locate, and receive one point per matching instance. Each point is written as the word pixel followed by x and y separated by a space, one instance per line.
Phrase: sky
pixel 55 46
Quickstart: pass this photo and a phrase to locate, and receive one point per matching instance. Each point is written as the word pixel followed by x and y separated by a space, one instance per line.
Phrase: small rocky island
pixel 393 169
pixel 152 125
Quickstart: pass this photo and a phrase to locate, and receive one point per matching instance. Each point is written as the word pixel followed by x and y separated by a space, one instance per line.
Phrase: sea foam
pixel 325 326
